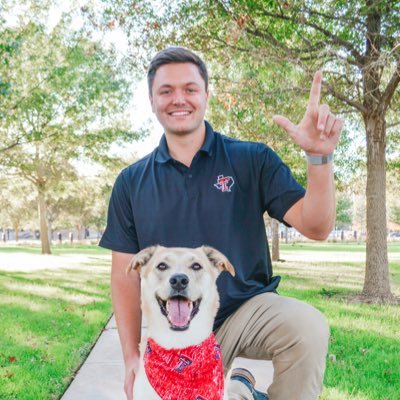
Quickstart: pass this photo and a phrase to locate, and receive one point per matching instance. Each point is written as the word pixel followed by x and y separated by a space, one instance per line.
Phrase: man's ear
pixel 218 259
pixel 140 259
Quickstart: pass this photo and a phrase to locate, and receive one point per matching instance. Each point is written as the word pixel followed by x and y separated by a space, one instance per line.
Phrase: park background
pixel 74 111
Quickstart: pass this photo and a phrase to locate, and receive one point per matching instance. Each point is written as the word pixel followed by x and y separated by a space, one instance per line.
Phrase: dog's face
pixel 179 282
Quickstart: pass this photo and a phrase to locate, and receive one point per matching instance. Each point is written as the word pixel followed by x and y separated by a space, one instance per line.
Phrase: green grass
pixel 57 249
pixel 364 352
pixel 49 320
pixel 334 246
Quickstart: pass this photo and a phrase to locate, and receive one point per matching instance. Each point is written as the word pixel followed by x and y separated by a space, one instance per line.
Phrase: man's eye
pixel 196 267
pixel 162 267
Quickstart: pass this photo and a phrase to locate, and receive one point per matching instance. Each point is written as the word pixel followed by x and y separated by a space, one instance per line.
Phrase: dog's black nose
pixel 179 281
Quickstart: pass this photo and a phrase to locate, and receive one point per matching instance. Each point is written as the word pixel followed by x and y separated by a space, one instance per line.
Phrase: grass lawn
pixel 364 353
pixel 49 320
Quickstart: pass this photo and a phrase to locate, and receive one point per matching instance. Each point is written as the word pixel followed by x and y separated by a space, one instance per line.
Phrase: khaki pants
pixel 293 334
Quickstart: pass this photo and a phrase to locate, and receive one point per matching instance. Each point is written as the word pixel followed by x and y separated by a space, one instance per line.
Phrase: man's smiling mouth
pixel 179 113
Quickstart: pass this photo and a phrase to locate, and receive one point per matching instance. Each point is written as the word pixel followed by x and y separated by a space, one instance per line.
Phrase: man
pixel 200 187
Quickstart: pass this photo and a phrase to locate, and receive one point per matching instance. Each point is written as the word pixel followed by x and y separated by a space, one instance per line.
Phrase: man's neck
pixel 184 147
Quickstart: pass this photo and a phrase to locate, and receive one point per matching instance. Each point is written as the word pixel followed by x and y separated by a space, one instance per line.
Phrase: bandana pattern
pixel 191 373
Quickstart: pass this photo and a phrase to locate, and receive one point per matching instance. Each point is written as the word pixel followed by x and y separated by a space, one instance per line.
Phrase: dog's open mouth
pixel 179 311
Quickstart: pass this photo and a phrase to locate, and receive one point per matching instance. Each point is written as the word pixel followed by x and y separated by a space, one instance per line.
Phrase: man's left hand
pixel 319 130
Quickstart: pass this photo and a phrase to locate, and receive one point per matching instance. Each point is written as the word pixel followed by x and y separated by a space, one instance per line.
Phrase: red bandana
pixel 191 373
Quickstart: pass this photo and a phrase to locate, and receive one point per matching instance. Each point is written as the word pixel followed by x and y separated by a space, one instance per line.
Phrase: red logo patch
pixel 224 183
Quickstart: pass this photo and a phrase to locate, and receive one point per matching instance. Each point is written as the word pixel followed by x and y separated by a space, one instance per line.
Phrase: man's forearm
pixel 126 304
pixel 319 205
pixel 314 214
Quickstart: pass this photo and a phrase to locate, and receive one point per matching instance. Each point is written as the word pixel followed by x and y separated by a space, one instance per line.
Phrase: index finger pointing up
pixel 315 92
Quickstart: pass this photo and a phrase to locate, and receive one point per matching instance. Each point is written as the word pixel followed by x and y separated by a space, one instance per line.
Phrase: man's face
pixel 179 98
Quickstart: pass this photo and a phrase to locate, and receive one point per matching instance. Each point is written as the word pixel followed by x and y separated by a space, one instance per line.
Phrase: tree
pixel 68 99
pixel 343 212
pixel 17 205
pixel 356 42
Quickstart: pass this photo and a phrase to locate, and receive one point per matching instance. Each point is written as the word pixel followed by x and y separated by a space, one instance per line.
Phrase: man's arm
pixel 317 134
pixel 314 214
pixel 125 291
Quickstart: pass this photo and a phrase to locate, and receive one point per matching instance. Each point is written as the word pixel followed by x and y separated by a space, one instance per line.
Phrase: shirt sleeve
pixel 279 189
pixel 120 233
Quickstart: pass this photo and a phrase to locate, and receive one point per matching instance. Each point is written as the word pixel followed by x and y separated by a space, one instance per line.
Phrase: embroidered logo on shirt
pixel 224 183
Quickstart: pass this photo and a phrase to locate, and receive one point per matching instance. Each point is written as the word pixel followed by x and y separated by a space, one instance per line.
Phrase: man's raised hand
pixel 319 130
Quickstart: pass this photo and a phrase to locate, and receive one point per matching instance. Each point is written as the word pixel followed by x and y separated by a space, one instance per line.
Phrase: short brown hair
pixel 171 55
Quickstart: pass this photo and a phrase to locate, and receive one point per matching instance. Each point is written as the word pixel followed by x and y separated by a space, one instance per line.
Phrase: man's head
pixel 178 91
pixel 175 55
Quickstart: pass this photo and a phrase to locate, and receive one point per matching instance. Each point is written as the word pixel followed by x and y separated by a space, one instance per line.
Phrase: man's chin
pixel 182 129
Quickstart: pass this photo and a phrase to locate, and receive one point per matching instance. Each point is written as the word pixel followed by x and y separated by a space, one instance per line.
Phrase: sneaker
pixel 246 377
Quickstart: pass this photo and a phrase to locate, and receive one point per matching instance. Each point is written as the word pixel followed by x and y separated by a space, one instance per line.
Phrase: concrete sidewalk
pixel 101 376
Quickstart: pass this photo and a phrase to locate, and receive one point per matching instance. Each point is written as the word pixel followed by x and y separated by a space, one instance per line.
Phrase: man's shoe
pixel 246 377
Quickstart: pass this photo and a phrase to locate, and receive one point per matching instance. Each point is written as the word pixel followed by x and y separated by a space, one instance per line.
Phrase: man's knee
pixel 299 325
pixel 313 331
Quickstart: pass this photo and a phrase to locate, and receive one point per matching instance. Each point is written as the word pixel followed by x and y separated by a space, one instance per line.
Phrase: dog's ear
pixel 140 259
pixel 218 259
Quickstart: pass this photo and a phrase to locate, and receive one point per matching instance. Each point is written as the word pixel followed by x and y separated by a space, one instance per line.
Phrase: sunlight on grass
pixel 335 394
pixel 49 320
pixel 23 303
pixel 51 292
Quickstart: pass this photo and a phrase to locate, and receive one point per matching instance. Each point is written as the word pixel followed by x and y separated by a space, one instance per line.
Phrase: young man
pixel 200 187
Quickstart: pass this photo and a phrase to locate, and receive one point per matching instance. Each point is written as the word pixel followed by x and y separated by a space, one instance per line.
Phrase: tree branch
pixel 393 125
pixel 334 38
pixel 9 147
pixel 342 97
pixel 331 17
pixel 391 87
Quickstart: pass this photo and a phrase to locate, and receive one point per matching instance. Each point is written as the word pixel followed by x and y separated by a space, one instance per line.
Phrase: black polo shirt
pixel 218 201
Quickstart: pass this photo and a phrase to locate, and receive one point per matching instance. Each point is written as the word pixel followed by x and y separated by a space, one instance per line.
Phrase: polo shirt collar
pixel 162 153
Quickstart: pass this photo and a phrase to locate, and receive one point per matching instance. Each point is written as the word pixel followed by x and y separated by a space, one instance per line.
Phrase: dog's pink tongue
pixel 179 311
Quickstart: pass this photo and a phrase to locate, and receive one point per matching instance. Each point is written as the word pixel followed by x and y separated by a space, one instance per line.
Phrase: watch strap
pixel 319 160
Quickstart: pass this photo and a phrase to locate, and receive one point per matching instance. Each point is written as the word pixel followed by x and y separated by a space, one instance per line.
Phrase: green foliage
pixel 396 214
pixel 67 99
pixel 66 92
pixel 263 55
pixel 343 212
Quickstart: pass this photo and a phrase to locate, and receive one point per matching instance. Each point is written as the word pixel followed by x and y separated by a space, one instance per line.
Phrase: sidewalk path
pixel 102 374
pixel 101 377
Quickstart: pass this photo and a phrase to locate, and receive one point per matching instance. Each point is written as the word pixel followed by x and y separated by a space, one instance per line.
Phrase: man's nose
pixel 179 98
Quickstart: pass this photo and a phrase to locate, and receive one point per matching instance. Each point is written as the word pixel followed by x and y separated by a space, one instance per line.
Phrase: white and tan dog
pixel 180 359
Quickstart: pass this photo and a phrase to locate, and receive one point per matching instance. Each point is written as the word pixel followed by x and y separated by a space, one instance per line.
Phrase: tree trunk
pixel 16 228
pixel 275 239
pixel 376 283
pixel 44 237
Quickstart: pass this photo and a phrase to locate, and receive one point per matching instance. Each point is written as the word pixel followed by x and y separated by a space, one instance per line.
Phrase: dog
pixel 180 359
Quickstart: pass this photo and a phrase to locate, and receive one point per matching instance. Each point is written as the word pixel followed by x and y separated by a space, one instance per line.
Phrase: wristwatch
pixel 319 160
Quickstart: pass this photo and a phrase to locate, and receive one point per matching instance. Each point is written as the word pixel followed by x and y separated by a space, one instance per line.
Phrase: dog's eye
pixel 162 267
pixel 196 267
